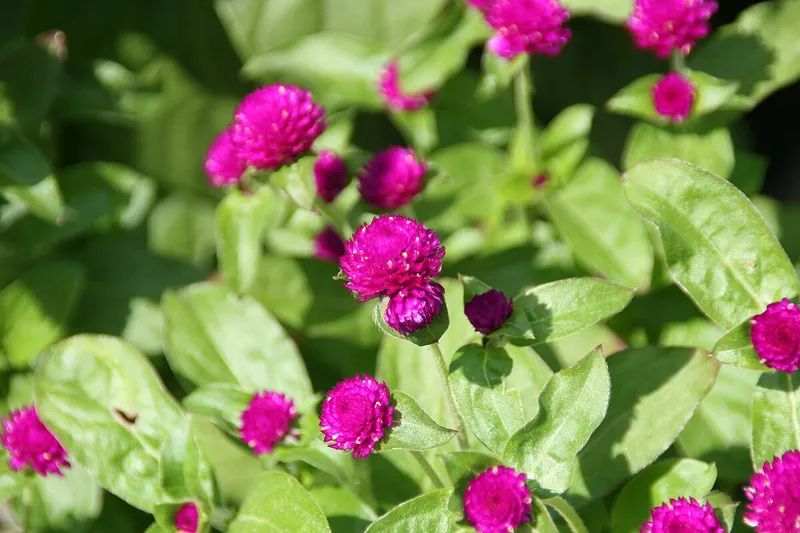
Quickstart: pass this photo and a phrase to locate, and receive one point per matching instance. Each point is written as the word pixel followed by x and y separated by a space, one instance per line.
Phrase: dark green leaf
pixel 542 521
pixel 412 428
pixel 776 417
pixel 736 349
pixel 427 513
pixel 25 177
pixel 181 226
pixel 23 67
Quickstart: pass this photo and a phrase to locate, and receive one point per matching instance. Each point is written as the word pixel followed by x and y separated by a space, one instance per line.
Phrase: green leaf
pixel 776 417
pixel 36 308
pixel 11 483
pixel 604 232
pixel 466 464
pixel 346 512
pixel 240 223
pixel 542 521
pixel 613 11
pixel 277 503
pixel 426 336
pixel 419 128
pixel 657 484
pixel 656 391
pixel 568 514
pixel 724 508
pixel 220 403
pixel 718 248
pixel 491 412
pixel 565 141
pixel 297 181
pixel 427 513
pixel 316 453
pixel 413 429
pixel 107 406
pixel 68 504
pixel 181 226
pixel 571 407
pixel 185 468
pixel 736 349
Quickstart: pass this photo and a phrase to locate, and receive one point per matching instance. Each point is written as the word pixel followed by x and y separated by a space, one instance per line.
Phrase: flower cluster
pixel 393 95
pixel 774 495
pixel 487 312
pixel 776 336
pixel 686 516
pixel 664 26
pixel 497 501
pixel 673 97
pixel 266 421
pixel 30 444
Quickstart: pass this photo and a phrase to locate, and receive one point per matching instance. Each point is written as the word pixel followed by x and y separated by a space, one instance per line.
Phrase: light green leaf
pixel 346 512
pixel 69 504
pixel 25 177
pixel 542 521
pixel 736 349
pixel 240 225
pixel 316 453
pixel 568 514
pixel 613 11
pixel 185 468
pixel 724 508
pixel 426 513
pixel 466 464
pixel 181 226
pixel 297 181
pixel 11 483
pixel 220 403
pixel 776 417
pixel 565 141
pixel 412 428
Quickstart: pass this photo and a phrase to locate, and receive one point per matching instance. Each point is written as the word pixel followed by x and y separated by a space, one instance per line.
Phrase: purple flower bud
pixel 331 176
pixel 30 444
pixel 540 181
pixel 411 309
pixel 328 246
pixel 394 97
pixel 666 25
pixel 497 501
pixel 266 421
pixel 392 178
pixel 776 336
pixel 673 96
pixel 527 27
pixel 187 518
pixel 222 163
pixel 774 496
pixel 685 516
pixel 487 312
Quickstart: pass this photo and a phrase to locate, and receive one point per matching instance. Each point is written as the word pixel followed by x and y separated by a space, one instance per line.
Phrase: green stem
pixel 523 145
pixel 429 470
pixel 27 503
pixel 441 366
pixel 677 62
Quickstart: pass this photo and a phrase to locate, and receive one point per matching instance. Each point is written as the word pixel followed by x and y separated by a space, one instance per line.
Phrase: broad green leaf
pixel 571 407
pixel 316 453
pixel 718 248
pixel 25 177
pixel 542 521
pixel 185 468
pixel 568 514
pixel 736 349
pixel 419 129
pixel 776 417
pixel 657 484
pixel 68 504
pixel 412 428
pixel 181 226
pixel 220 403
pixel 240 225
pixel 35 309
pixel 277 503
pixel 529 376
pixel 427 513
pixel 656 391
pixel 345 511
pixel 297 181
pixel 107 406
pixel 565 141
pixel 724 508
pixel 466 464
pixel 605 234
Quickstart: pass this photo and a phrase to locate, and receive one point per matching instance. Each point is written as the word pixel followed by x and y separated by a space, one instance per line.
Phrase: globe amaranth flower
pixel 222 164
pixel 330 175
pixel 355 413
pixel 389 254
pixel 673 97
pixel 776 336
pixel 527 27
pixel 328 246
pixel 275 124
pixel 392 178
pixel 497 501
pixel 487 312
pixel 409 310
pixel 30 444
pixel 774 496
pixel 666 25
pixel 684 516
pixel 187 518
pixel 266 421
pixel 393 95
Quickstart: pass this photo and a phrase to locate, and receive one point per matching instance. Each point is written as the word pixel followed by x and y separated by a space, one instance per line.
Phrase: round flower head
pixel 331 176
pixel 275 124
pixel 487 312
pixel 187 518
pixel 683 516
pixel 392 178
pixel 393 95
pixel 266 421
pixel 673 96
pixel 527 27
pixel 497 501
pixel 355 413
pixel 774 494
pixel 222 163
pixel 328 246
pixel 776 336
pixel 30 444
pixel 666 25
pixel 389 254
pixel 411 309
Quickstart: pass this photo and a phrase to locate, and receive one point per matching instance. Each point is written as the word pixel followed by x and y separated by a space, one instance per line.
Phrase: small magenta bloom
pixel 222 163
pixel 487 312
pixel 497 501
pixel 392 178
pixel 331 176
pixel 527 27
pixel 774 494
pixel 355 413
pixel 683 516
pixel 275 124
pixel 393 95
pixel 673 96
pixel 187 518
pixel 389 254
pixel 776 336
pixel 30 444
pixel 267 421
pixel 541 181
pixel 411 309
pixel 666 25
pixel 328 246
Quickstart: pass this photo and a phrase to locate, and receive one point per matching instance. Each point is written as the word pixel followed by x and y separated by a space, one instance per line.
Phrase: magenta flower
pixel 683 516
pixel 666 25
pixel 774 494
pixel 527 27
pixel 776 336
pixel 497 501
pixel 275 124
pixel 390 254
pixel 331 176
pixel 392 178
pixel 266 421
pixel 540 181
pixel 355 413
pixel 393 95
pixel 411 309
pixel 30 444
pixel 328 246
pixel 673 96
pixel 222 163
pixel 487 312
pixel 187 518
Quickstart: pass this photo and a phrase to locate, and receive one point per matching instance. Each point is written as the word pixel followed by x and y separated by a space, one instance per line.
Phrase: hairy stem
pixel 429 470
pixel 523 144
pixel 441 366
